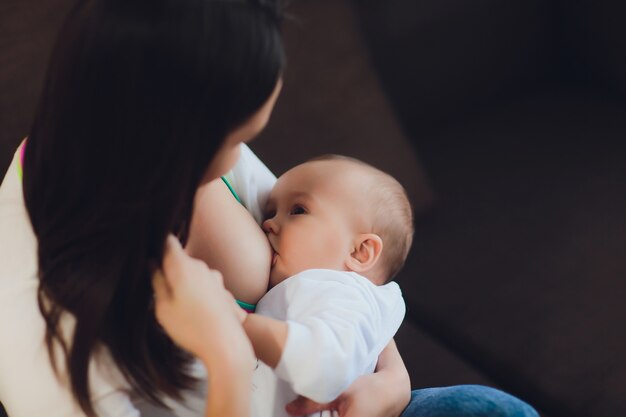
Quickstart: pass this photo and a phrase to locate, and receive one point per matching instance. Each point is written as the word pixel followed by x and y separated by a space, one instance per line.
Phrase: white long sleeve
pixel 339 322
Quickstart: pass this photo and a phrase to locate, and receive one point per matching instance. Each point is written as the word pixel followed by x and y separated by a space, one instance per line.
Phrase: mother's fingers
pixel 178 265
pixel 160 286
pixel 302 406
pixel 191 303
pixel 173 244
pixel 173 257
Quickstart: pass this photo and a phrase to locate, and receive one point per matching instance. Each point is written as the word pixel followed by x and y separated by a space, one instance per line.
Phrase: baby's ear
pixel 366 251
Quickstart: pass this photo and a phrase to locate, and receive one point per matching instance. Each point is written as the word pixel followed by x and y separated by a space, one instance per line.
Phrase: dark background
pixel 505 120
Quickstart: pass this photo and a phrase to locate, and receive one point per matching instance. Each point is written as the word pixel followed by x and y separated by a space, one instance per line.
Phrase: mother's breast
pixel 228 239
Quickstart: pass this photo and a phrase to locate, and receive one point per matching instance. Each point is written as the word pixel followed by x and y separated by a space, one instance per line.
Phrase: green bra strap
pixel 232 190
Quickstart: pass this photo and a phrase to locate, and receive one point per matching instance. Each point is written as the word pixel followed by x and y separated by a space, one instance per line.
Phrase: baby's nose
pixel 269 226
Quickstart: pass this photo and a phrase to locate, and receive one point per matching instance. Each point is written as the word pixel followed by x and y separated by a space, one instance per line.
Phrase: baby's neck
pixel 372 276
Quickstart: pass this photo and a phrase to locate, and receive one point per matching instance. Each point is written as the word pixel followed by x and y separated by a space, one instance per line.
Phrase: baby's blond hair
pixel 392 215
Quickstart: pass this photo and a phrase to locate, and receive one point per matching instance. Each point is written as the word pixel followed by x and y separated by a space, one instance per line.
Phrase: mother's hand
pixel 198 313
pixel 385 393
pixel 364 398
pixel 195 309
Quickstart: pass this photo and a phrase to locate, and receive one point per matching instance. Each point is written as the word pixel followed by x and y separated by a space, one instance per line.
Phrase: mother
pixel 144 101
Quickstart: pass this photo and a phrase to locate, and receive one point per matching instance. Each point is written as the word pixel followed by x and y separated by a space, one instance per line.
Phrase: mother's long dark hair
pixel 138 97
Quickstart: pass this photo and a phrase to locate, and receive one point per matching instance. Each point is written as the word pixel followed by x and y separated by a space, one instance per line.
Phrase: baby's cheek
pixel 321 254
pixel 336 252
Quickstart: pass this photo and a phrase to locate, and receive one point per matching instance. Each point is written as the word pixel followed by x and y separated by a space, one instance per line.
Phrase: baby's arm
pixel 333 331
pixel 225 236
pixel 268 337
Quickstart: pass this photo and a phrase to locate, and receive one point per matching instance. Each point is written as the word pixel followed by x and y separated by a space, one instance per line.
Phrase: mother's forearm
pixel 390 360
pixel 391 368
pixel 230 395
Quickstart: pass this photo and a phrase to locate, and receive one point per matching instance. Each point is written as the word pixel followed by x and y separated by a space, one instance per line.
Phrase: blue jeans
pixel 466 401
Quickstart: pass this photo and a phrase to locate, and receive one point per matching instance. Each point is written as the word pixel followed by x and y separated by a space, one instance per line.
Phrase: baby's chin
pixel 277 276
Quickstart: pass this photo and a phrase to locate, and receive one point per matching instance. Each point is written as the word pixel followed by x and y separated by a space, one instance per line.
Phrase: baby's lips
pixel 274 253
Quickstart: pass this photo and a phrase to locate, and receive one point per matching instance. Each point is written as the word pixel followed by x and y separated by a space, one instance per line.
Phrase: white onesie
pixel 339 322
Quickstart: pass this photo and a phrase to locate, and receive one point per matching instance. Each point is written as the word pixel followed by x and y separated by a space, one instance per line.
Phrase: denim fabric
pixel 466 401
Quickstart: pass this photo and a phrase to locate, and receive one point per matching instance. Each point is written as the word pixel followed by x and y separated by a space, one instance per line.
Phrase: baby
pixel 339 231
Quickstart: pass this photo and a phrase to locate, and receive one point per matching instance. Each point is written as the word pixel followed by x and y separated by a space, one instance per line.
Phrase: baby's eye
pixel 297 210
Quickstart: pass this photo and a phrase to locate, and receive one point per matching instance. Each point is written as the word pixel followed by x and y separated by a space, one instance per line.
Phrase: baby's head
pixel 338 213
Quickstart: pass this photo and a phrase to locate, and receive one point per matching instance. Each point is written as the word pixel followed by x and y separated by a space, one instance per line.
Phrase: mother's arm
pixel 395 377
pixel 201 316
pixel 385 393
